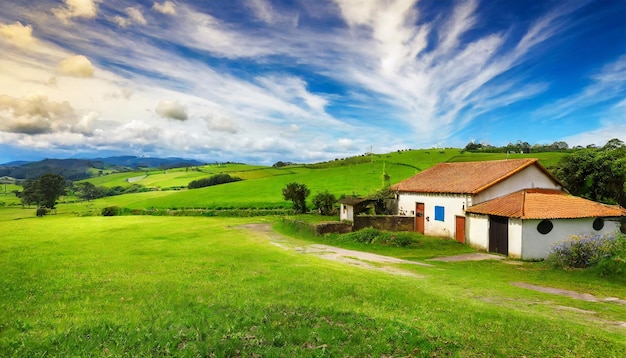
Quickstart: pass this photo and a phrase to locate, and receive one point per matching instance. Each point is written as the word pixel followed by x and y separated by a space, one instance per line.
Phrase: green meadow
pixel 193 287
pixel 75 283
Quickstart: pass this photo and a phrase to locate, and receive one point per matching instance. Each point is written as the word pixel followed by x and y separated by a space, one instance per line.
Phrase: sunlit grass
pixel 146 286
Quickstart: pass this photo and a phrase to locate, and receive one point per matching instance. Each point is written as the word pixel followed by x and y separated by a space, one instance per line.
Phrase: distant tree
pixel 28 195
pixel 324 202
pixel 213 180
pixel 88 191
pixel 297 193
pixel 49 188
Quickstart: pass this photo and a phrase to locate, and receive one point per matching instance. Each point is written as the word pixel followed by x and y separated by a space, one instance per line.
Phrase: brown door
pixel 460 229
pixel 499 235
pixel 419 217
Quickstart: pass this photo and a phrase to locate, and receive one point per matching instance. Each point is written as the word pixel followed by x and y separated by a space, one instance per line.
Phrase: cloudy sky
pixel 265 80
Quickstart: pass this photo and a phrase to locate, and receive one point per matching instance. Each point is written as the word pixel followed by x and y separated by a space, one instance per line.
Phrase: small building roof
pixel 467 177
pixel 352 201
pixel 545 204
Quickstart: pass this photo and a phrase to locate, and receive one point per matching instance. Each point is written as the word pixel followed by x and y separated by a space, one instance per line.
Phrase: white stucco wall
pixel 515 237
pixel 346 212
pixel 477 231
pixel 454 205
pixel 529 178
pixel 537 245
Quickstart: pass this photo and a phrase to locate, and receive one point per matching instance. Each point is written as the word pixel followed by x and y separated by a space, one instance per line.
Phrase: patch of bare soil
pixel 361 259
pixel 573 294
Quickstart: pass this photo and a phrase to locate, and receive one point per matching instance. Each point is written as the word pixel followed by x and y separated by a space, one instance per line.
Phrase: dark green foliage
pixel 324 202
pixel 49 188
pixel 596 173
pixel 88 191
pixel 297 193
pixel 41 212
pixel 110 211
pixel 213 180
pixel 375 236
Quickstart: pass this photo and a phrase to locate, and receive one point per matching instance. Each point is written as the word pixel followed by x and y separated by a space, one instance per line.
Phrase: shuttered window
pixel 439 213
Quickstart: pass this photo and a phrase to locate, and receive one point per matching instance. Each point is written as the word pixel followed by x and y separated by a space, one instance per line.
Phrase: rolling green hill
pixel 261 187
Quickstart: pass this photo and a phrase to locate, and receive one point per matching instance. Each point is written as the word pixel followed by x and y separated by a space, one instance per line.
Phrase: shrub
pixel 581 251
pixel 374 236
pixel 41 212
pixel 213 180
pixel 110 211
pixel 324 202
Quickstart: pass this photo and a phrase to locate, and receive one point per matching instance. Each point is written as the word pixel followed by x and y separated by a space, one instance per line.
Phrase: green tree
pixel 49 188
pixel 596 173
pixel 297 193
pixel 324 202
pixel 28 195
pixel 88 191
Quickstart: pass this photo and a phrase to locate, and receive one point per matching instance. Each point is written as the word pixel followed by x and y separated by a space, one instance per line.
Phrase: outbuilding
pixel 527 223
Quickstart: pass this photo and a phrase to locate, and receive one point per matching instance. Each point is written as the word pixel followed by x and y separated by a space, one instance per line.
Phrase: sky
pixel 258 81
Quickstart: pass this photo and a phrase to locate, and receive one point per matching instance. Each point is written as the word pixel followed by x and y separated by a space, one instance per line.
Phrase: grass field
pixel 261 187
pixel 187 287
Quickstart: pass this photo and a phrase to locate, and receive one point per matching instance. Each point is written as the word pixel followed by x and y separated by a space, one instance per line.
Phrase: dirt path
pixel 361 259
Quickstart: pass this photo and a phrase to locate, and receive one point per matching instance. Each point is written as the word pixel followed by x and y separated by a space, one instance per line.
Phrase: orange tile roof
pixel 466 177
pixel 545 204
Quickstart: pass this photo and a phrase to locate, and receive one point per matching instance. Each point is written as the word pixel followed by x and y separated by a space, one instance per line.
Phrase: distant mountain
pixel 148 162
pixel 77 169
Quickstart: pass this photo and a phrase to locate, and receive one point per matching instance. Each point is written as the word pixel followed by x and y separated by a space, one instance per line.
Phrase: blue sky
pixel 259 81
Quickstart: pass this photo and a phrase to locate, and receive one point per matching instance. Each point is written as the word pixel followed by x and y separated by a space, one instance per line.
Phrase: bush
pixel 324 202
pixel 374 236
pixel 110 211
pixel 213 180
pixel 607 252
pixel 41 212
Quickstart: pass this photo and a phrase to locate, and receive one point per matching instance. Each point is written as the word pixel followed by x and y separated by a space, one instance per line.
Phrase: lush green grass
pixel 147 286
pixel 547 159
pixel 7 196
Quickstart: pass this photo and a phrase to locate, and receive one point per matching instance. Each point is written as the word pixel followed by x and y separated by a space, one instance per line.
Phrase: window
pixel 598 224
pixel 439 213
pixel 545 226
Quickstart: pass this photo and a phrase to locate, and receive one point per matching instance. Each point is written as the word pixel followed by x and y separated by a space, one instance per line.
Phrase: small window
pixel 440 213
pixel 598 224
pixel 545 226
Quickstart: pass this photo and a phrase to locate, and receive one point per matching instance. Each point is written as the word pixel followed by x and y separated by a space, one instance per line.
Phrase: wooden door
pixel 499 235
pixel 460 229
pixel 419 217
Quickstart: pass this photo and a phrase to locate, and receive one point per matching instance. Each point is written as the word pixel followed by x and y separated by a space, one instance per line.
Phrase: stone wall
pixel 338 227
pixel 385 222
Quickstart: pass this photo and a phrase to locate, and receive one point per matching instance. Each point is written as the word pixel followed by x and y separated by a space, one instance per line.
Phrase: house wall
pixel 529 178
pixel 477 231
pixel 453 204
pixel 537 245
pixel 515 237
pixel 346 212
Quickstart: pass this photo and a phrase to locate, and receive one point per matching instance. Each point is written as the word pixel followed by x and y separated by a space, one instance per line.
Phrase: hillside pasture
pixel 186 287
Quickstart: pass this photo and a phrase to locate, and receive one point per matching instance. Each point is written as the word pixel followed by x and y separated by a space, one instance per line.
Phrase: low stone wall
pixel 338 227
pixel 384 222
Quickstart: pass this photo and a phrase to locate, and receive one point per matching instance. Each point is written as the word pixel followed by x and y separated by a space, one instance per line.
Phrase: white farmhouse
pixel 445 201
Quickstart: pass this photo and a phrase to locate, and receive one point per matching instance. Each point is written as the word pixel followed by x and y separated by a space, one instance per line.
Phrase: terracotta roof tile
pixel 545 204
pixel 465 177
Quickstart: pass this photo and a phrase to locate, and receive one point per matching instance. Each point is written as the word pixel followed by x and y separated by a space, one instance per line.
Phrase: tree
pixel 28 195
pixel 88 191
pixel 49 188
pixel 596 173
pixel 324 202
pixel 297 193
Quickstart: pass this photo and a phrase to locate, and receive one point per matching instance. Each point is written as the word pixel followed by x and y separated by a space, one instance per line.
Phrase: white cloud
pixel 76 8
pixel 135 14
pixel 17 34
pixel 171 110
pixel 167 8
pixel 121 21
pixel 222 123
pixel 34 114
pixel 76 66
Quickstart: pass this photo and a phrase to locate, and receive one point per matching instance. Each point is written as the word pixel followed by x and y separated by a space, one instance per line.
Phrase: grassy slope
pixel 262 185
pixel 195 286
